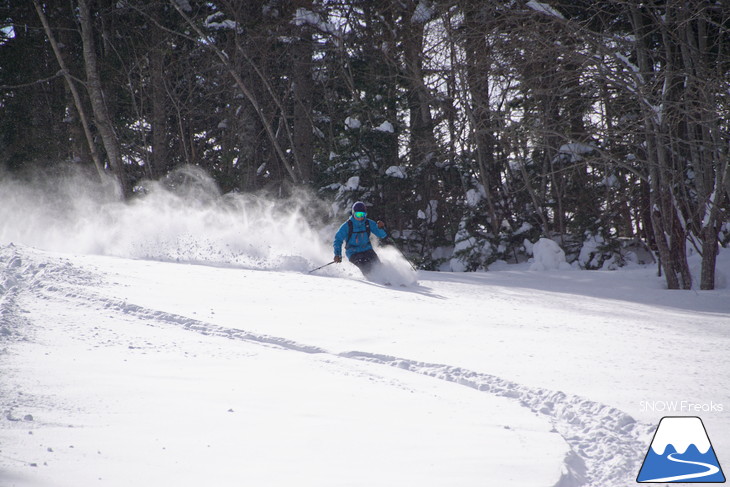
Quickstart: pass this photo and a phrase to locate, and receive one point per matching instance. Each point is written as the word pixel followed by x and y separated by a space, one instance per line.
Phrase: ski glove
pixel 381 224
pixel 338 259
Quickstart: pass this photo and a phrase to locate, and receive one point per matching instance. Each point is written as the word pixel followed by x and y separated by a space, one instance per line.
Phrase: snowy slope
pixel 177 339
pixel 157 373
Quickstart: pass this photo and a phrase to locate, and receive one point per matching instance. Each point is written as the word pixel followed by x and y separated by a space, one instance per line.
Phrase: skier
pixel 355 233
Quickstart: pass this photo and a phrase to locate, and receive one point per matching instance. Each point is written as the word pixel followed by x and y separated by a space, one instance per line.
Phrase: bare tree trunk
pixel 423 143
pixel 302 88
pixel 708 154
pixel 657 220
pixel 159 160
pixel 669 233
pixel 423 146
pixel 74 92
pixel 481 118
pixel 96 95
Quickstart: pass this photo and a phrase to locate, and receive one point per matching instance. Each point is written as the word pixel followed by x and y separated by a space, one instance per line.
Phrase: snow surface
pixel 353 123
pixel 386 127
pixel 353 183
pixel 548 256
pixel 135 351
pixel 396 172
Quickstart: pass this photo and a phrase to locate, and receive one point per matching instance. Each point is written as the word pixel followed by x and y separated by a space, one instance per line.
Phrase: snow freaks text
pixel 681 407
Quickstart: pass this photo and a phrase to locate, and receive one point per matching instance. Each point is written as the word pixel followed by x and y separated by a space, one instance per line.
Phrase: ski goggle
pixel 360 214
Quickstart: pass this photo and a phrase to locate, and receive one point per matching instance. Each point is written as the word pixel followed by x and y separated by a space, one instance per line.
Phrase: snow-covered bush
pixel 548 256
pixel 476 246
pixel 470 253
pixel 599 252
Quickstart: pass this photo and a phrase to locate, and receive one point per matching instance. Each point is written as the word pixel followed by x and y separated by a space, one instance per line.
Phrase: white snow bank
pixel 548 256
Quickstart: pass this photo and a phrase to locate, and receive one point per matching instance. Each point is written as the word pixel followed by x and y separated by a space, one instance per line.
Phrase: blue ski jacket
pixel 359 241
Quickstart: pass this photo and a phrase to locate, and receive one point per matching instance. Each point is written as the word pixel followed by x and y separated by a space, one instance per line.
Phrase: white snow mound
pixel 548 256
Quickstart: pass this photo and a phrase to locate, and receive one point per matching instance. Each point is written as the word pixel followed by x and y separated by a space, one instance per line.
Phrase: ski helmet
pixel 359 206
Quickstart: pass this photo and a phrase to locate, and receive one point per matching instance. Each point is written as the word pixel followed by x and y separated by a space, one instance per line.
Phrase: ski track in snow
pixel 605 442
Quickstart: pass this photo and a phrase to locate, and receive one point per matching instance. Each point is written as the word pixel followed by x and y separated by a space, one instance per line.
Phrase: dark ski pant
pixel 365 261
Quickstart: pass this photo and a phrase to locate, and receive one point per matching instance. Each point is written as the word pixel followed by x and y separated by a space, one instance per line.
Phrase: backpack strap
pixel 350 231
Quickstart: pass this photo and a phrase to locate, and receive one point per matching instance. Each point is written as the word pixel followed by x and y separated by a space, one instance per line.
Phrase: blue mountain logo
pixel 681 452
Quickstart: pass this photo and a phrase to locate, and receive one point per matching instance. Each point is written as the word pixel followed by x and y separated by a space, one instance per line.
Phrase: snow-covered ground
pixel 133 372
pixel 218 360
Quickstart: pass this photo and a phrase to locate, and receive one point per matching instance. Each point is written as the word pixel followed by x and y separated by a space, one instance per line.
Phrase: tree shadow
pixel 638 286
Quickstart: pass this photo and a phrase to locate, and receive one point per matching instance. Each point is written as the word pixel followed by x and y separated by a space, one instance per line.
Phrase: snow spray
pixel 183 217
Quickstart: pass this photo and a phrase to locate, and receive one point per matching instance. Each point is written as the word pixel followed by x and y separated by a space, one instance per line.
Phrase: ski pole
pixel 321 267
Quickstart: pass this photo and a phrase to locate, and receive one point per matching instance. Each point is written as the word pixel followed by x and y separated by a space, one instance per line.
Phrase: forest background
pixel 473 127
